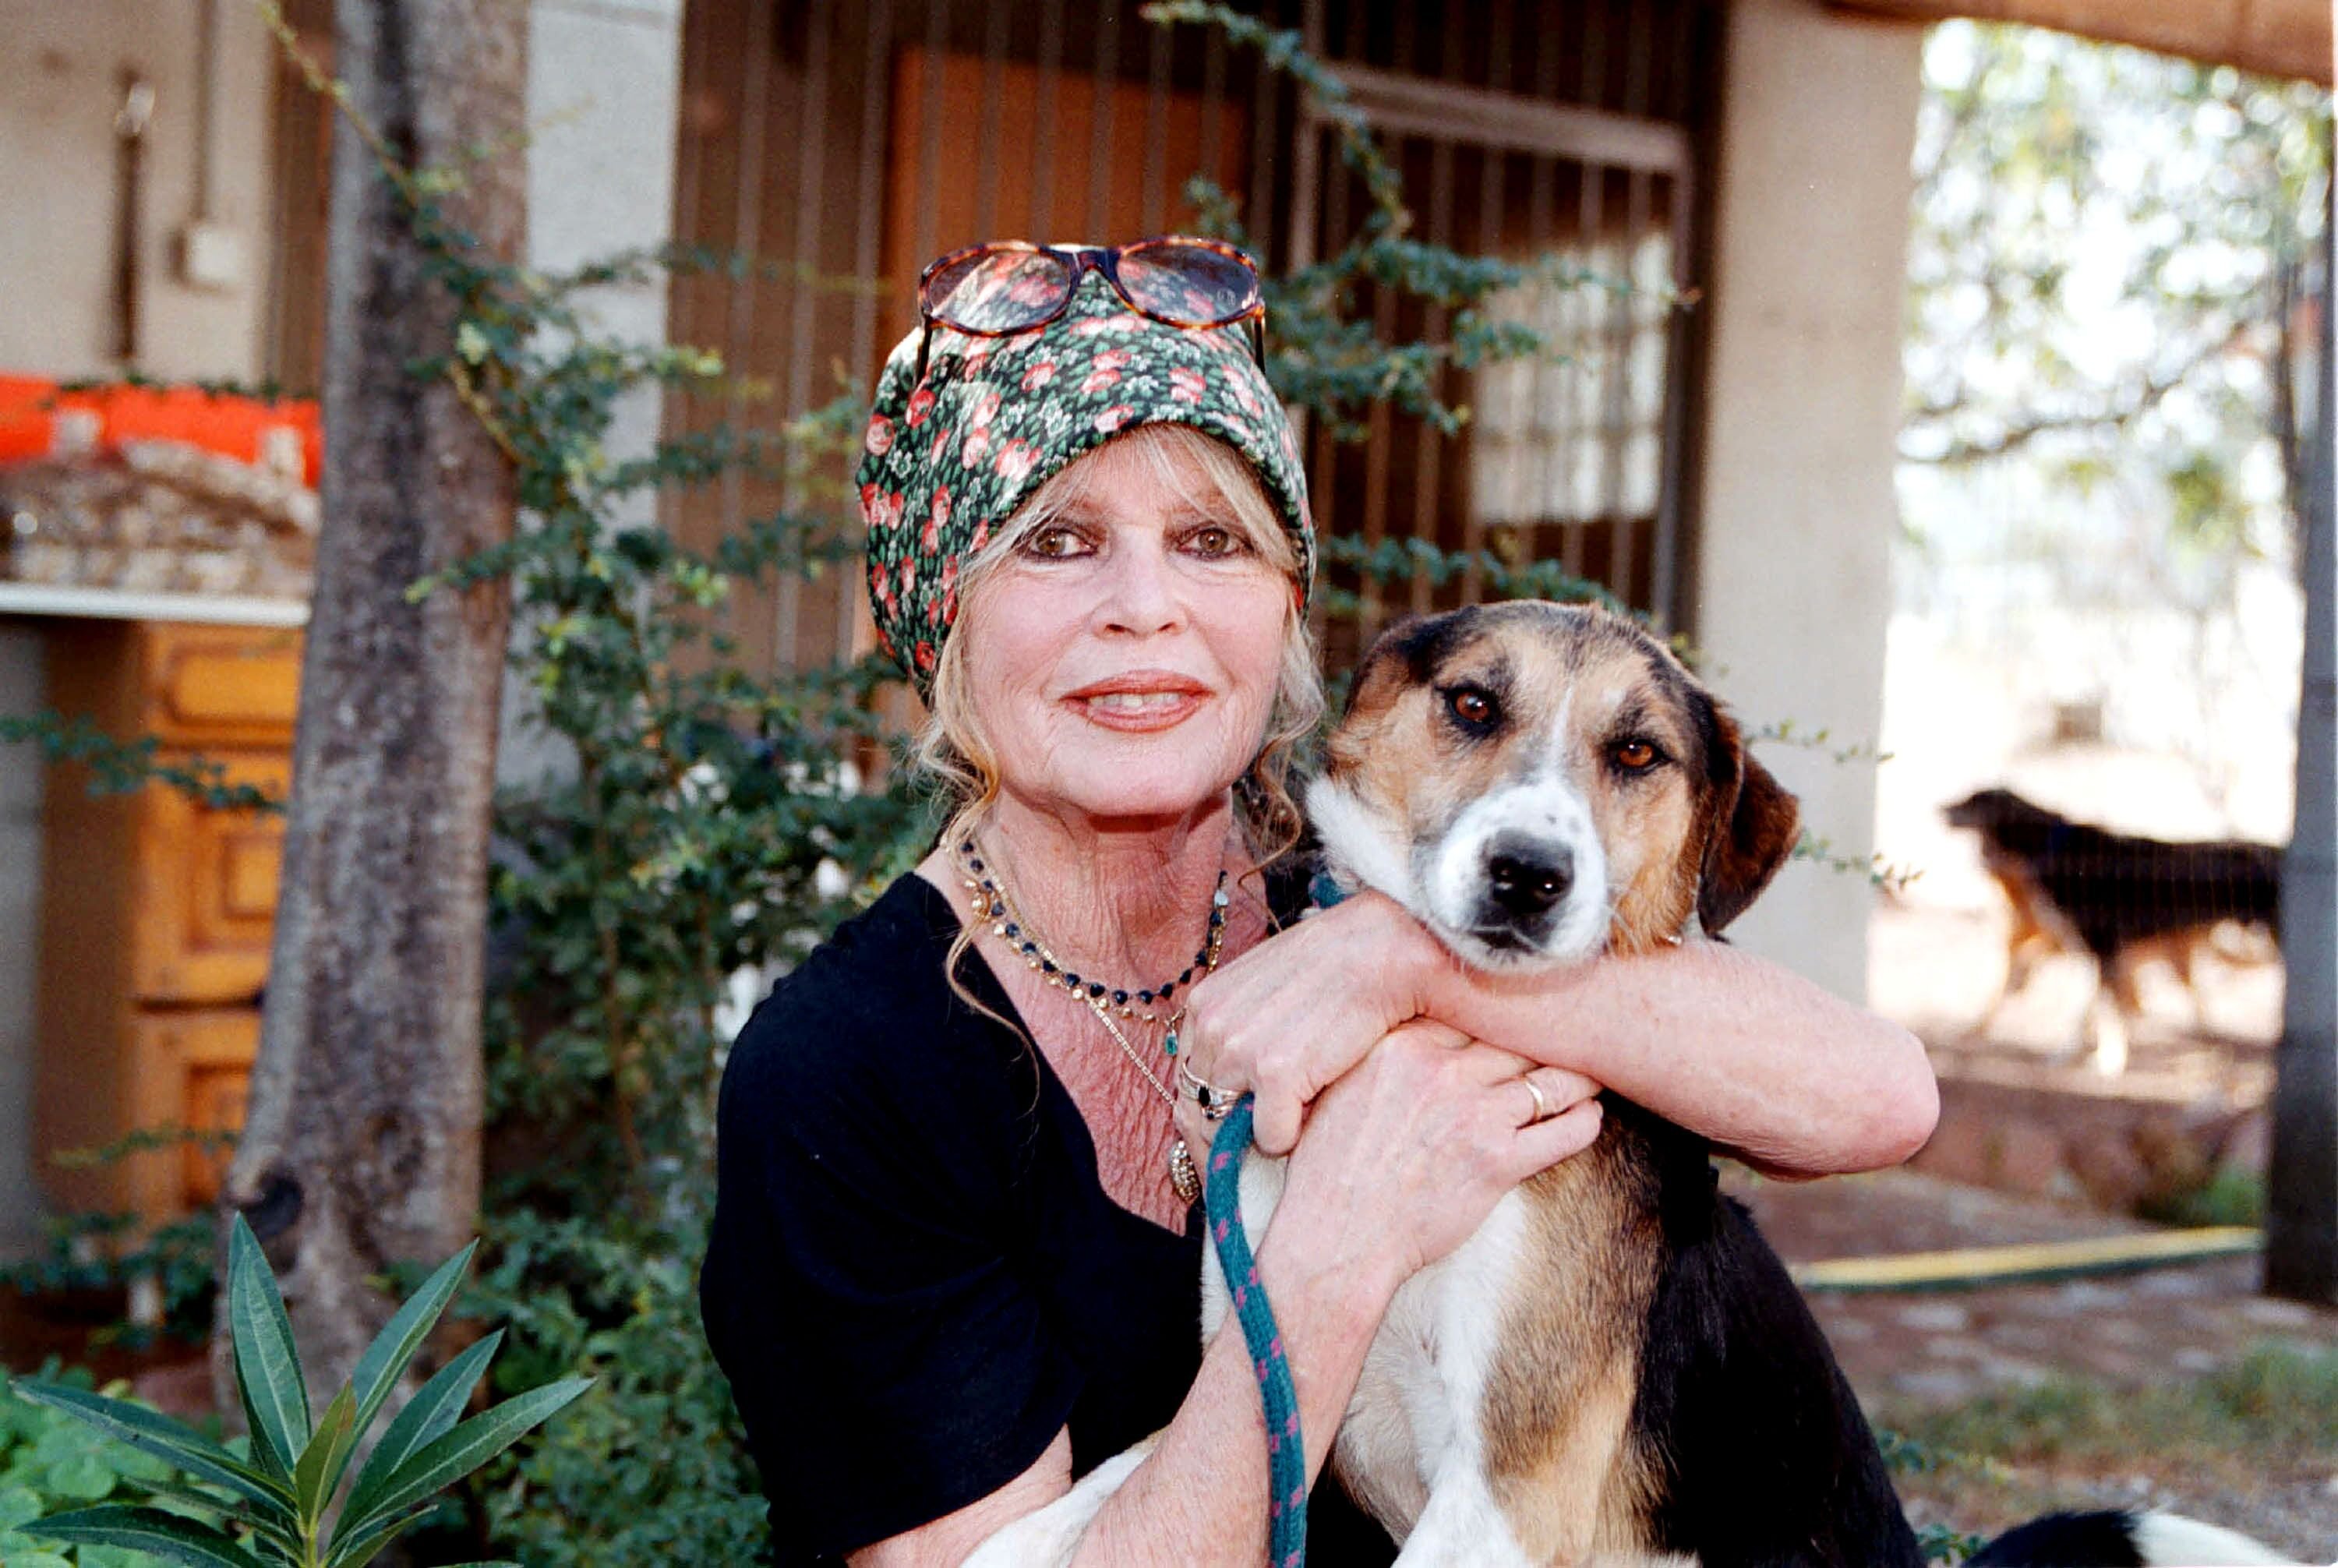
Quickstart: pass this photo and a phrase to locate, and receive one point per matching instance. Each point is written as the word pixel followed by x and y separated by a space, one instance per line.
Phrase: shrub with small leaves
pixel 49 1461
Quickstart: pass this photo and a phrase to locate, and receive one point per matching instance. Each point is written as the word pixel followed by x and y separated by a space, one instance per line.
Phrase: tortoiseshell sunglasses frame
pixel 1078 260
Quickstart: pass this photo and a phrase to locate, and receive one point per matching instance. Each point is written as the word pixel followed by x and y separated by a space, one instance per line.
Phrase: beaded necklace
pixel 992 904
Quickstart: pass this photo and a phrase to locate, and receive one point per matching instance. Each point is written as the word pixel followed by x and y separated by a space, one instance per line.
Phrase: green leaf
pixel 267 1362
pixel 384 1361
pixel 18 1505
pixel 355 1551
pixel 466 1447
pixel 15 1559
pixel 83 1477
pixel 264 1456
pixel 432 1413
pixel 150 1530
pixel 328 1452
pixel 151 1432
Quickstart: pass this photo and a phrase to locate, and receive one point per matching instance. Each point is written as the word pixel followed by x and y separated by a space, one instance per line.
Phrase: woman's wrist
pixel 1340 1288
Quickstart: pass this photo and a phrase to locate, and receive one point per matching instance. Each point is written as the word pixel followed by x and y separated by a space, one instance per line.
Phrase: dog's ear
pixel 1753 827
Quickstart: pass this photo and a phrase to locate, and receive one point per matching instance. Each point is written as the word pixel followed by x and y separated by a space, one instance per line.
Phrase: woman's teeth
pixel 1137 702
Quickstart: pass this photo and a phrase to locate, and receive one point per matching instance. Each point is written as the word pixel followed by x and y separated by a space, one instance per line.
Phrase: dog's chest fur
pixel 1492 1421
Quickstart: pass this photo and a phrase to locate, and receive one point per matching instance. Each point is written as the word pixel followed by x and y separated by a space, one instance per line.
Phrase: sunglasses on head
pixel 1007 287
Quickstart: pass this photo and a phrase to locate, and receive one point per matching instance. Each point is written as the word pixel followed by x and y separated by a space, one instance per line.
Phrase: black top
pixel 916 1278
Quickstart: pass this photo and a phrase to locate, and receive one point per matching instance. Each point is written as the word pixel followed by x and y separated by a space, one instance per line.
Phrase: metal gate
pixel 847 143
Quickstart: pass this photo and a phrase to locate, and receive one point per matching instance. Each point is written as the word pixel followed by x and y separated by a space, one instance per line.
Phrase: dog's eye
pixel 1636 756
pixel 1471 706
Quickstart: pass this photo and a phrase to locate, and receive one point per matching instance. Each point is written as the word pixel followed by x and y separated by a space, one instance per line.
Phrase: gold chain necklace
pixel 992 904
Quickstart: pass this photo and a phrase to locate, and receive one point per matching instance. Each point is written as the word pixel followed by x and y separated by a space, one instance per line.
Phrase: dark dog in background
pixel 2120 899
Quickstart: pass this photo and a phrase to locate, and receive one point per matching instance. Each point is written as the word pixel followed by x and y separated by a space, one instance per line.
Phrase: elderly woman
pixel 955 1253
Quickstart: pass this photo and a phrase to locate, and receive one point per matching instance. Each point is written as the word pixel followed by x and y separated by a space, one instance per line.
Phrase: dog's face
pixel 1539 783
pixel 1993 812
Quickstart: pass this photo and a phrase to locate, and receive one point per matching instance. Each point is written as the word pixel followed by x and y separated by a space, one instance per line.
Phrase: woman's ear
pixel 1751 829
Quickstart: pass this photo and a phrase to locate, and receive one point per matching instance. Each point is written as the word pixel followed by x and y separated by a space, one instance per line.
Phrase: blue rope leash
pixel 1286 1451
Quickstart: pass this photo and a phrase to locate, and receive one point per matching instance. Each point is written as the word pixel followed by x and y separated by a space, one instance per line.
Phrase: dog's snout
pixel 1528 879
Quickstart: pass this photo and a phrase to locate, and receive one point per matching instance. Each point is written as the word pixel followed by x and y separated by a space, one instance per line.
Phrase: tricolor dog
pixel 1615 1368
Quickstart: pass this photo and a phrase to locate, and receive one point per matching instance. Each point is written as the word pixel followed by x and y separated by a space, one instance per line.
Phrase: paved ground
pixel 1906 1353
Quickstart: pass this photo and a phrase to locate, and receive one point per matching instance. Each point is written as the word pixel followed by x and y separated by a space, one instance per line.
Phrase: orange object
pixel 230 424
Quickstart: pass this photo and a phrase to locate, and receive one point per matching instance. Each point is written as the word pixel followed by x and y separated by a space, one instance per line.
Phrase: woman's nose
pixel 1140 595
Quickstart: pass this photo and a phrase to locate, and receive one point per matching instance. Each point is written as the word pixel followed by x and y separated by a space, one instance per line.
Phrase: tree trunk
pixel 2301 1187
pixel 361 1146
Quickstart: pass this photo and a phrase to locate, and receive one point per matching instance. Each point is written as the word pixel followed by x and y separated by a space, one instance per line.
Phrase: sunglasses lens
pixel 996 291
pixel 1192 285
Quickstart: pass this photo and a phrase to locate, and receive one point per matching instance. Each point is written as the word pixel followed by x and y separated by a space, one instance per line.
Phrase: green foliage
pixel 281 1501
pixel 655 1461
pixel 106 1253
pixel 49 1461
pixel 117 767
pixel 2230 1195
pixel 2109 256
pixel 2277 1403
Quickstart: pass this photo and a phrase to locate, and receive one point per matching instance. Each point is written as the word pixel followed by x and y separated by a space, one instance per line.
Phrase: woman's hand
pixel 1407 1154
pixel 1293 1015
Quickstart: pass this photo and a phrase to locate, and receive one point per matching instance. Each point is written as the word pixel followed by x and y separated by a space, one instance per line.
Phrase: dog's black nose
pixel 1528 879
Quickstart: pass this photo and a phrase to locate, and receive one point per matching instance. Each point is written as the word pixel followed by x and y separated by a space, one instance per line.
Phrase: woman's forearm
pixel 1763 1063
pixel 1201 1498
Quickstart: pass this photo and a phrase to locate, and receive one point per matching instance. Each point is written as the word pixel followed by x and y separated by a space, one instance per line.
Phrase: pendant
pixel 1183 1180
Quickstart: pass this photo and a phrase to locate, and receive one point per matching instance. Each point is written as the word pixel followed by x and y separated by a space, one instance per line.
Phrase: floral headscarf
pixel 952 456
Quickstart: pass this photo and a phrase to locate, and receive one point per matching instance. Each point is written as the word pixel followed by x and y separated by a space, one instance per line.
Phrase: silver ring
pixel 1214 1102
pixel 1542 1106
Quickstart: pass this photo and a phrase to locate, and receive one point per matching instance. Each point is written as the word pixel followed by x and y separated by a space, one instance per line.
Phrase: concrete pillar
pixel 605 82
pixel 1793 590
pixel 23 690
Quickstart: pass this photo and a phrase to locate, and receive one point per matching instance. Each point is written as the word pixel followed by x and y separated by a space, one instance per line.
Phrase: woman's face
pixel 1123 658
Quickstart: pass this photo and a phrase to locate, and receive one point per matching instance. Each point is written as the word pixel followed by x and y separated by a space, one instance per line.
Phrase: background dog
pixel 2120 899
pixel 1616 1367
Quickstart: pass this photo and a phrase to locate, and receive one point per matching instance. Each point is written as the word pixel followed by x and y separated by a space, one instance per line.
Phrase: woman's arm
pixel 1402 1161
pixel 1763 1063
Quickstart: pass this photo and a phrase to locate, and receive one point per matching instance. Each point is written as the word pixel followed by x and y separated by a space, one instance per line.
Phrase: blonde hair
pixel 955 751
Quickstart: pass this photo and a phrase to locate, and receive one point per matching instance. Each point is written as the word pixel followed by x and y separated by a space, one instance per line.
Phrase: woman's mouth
pixel 1131 707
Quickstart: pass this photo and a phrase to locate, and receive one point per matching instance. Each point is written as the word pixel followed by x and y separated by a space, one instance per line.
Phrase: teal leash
pixel 1286 1450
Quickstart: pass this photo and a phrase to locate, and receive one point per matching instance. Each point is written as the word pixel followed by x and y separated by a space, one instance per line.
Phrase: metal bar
pixel 1102 97
pixel 876 106
pixel 1665 557
pixel 1156 207
pixel 930 133
pixel 1624 523
pixel 1493 191
pixel 1428 444
pixel 988 161
pixel 747 236
pixel 811 166
pixel 1042 228
pixel 1591 222
pixel 1399 105
pixel 1213 102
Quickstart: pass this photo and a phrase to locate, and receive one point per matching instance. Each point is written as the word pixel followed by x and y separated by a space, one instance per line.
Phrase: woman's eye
pixel 1636 756
pixel 1471 706
pixel 1055 544
pixel 1214 541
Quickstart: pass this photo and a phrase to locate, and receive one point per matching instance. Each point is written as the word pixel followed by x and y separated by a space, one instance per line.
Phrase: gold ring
pixel 1542 1106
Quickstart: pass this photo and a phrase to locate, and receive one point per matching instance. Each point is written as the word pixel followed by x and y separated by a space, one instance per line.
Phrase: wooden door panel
pixel 205 905
pixel 221 685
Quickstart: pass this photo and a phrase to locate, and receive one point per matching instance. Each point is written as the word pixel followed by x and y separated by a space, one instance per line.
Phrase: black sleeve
pixel 860 1288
